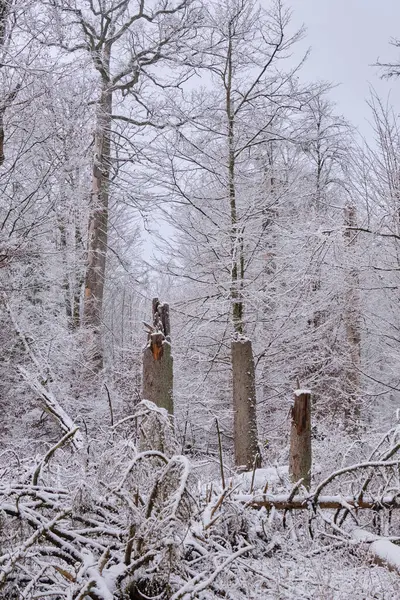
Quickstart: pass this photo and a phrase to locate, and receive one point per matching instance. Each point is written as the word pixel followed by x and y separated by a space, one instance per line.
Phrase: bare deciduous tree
pixel 125 42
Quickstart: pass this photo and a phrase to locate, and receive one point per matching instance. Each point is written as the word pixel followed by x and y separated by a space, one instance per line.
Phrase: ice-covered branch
pixel 53 407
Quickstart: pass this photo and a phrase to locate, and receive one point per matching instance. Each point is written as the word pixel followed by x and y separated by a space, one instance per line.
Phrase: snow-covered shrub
pixel 155 427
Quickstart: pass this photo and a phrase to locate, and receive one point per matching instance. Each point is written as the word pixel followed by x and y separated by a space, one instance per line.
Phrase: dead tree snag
pixel 244 403
pixel 300 438
pixel 157 359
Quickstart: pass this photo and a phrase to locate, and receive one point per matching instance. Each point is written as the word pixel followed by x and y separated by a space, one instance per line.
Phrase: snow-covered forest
pixel 199 309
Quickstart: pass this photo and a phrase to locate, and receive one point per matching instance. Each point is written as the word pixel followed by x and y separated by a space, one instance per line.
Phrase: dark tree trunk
pixel 300 439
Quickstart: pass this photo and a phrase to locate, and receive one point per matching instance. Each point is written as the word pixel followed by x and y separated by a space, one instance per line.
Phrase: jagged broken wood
pixel 158 360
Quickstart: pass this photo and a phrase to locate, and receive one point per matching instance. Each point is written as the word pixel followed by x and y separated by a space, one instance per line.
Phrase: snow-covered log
pixel 382 550
pixel 285 502
pixel 318 498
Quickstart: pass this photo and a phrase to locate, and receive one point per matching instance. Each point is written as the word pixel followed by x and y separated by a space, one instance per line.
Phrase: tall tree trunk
pixel 237 258
pixel 269 240
pixel 243 370
pixel 244 403
pixel 352 321
pixel 66 284
pixel 79 273
pixel 5 6
pixel 98 222
pixel 72 279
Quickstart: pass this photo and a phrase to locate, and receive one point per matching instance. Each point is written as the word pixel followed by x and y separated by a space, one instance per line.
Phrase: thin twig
pixel 257 456
pixel 110 405
pixel 221 463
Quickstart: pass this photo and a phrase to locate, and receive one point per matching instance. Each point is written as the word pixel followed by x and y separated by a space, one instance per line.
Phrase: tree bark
pixel 300 439
pixel 244 403
pixel 10 97
pixel 237 250
pixel 158 361
pixel 352 322
pixel 243 373
pixel 285 502
pixel 98 223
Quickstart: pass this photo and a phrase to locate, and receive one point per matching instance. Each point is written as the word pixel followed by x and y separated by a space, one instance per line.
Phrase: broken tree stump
pixel 158 360
pixel 300 439
pixel 244 404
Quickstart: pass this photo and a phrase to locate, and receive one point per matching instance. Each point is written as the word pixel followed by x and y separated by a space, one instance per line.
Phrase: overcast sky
pixel 346 36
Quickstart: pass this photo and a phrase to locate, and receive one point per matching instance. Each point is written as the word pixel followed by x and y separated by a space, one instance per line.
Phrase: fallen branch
pixel 350 469
pixel 53 408
pixel 51 404
pixel 196 584
pixel 50 453
pixel 284 502
pixel 385 457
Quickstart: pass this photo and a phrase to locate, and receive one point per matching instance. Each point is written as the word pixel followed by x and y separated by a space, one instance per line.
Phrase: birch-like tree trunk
pixel 6 101
pixel 98 220
pixel 237 266
pixel 352 320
